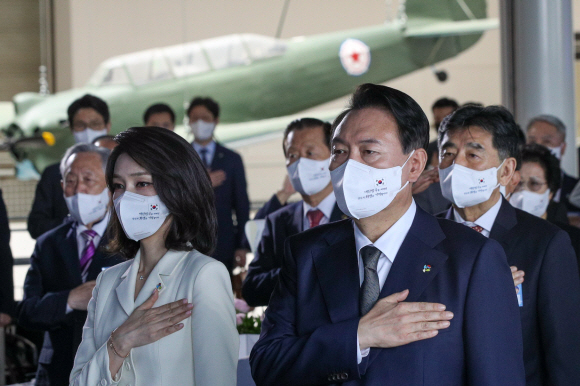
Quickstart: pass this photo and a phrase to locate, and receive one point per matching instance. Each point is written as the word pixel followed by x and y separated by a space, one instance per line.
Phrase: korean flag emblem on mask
pixel 140 216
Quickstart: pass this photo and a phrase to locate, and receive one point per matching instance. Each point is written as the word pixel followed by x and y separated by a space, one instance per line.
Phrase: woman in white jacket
pixel 166 316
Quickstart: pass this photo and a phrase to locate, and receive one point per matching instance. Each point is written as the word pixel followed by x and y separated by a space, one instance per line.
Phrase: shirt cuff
pixel 360 354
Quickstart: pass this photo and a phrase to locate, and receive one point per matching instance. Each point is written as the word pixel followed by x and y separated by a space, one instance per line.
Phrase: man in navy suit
pixel 65 264
pixel 88 118
pixel 361 301
pixel 481 143
pixel 306 147
pixel 228 179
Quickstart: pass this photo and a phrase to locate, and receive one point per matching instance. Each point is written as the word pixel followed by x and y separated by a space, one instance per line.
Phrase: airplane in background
pixel 258 80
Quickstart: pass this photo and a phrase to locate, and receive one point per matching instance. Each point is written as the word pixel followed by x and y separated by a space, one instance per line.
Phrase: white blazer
pixel 203 353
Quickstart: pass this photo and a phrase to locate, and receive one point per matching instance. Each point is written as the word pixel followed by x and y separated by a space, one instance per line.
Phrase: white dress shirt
pixel 389 244
pixel 100 228
pixel 210 147
pixel 326 206
pixel 486 221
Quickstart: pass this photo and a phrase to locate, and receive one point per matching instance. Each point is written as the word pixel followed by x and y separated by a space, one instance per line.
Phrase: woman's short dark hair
pixel 496 120
pixel 208 103
pixel 180 180
pixel 411 121
pixel 547 161
pixel 308 123
pixel 88 101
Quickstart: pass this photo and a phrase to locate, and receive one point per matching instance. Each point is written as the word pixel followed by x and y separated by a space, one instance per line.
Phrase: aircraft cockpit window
pixel 262 47
pixel 148 70
pixel 187 59
pixel 109 76
pixel 227 51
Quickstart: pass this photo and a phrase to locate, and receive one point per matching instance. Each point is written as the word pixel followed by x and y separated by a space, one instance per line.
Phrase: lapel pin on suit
pixel 426 268
pixel 159 287
pixel 344 217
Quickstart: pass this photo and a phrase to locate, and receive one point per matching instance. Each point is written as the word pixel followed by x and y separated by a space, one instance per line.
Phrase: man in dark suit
pixel 550 131
pixel 6 264
pixel 478 144
pixel 228 179
pixel 65 264
pixel 345 307
pixel 88 118
pixel 306 147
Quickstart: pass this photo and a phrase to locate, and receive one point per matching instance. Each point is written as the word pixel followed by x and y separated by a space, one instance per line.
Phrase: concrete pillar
pixel 538 64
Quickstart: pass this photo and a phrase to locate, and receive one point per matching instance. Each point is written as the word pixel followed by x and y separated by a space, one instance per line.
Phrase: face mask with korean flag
pixel 141 216
pixel 362 191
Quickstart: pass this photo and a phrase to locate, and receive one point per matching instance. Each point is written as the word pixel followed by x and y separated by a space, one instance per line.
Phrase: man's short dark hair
pixel 158 108
pixel 184 187
pixel 547 161
pixel 308 123
pixel 411 121
pixel 103 137
pixel 208 103
pixel 496 120
pixel 445 102
pixel 88 101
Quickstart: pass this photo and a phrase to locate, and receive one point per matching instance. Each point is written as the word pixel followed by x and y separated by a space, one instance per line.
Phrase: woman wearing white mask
pixel 166 316
pixel 540 178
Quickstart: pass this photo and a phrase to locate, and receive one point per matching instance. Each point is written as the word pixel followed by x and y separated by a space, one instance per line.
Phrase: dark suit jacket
pixel 574 234
pixel 263 270
pixel 309 334
pixel 550 316
pixel 54 272
pixel 6 263
pixel 431 200
pixel 272 205
pixel 49 208
pixel 231 197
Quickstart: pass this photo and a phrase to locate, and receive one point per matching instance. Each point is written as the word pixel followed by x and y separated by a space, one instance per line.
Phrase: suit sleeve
pixel 241 202
pixel 559 316
pixel 213 322
pixel 492 327
pixel 91 365
pixel 283 357
pixel 270 207
pixel 38 309
pixel 6 263
pixel 42 218
pixel 262 273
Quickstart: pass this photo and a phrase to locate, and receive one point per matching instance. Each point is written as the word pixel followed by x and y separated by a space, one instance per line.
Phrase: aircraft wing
pixel 245 133
pixel 452 28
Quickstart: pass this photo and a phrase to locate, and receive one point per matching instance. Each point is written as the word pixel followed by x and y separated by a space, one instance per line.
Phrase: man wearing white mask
pixel 353 294
pixel 228 179
pixel 65 263
pixel 306 146
pixel 88 119
pixel 478 150
pixel 549 131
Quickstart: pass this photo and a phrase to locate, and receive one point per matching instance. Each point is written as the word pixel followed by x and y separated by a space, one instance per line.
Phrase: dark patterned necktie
pixel 203 152
pixel 88 252
pixel 370 288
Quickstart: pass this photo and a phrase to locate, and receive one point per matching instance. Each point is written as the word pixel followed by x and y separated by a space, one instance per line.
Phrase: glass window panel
pixel 227 51
pixel 187 59
pixel 262 47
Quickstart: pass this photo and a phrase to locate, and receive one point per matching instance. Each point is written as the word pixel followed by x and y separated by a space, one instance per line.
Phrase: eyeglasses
pixel 533 185
pixel 94 125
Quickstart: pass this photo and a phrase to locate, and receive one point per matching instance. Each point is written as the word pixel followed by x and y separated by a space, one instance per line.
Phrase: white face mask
pixel 533 203
pixel 88 208
pixel 309 176
pixel 202 130
pixel 362 191
pixel 556 151
pixel 140 216
pixel 467 187
pixel 88 135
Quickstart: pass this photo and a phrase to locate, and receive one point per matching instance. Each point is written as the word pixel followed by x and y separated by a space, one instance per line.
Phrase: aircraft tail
pixel 445 10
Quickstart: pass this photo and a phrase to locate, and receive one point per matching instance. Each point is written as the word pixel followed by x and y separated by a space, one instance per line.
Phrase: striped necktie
pixel 88 252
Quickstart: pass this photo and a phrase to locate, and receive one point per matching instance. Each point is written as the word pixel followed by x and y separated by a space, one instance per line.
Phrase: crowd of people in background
pixel 391 241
